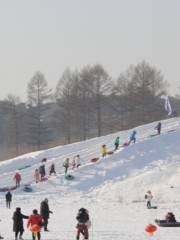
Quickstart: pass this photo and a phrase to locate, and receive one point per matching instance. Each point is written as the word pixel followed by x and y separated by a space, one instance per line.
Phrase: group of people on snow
pixel 75 163
pixel 40 220
pixel 104 150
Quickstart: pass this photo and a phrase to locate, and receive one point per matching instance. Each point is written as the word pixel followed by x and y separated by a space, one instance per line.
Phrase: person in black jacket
pixel 44 212
pixel 18 223
pixel 52 169
pixel 8 199
pixel 82 226
pixel 42 171
pixel 158 128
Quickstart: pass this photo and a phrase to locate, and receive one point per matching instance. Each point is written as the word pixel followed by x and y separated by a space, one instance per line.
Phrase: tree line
pixel 86 103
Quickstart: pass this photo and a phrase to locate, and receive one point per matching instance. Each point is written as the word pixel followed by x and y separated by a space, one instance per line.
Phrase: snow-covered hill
pixel 112 189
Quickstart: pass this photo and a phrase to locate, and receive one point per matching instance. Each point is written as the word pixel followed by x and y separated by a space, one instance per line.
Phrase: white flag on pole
pixel 167 105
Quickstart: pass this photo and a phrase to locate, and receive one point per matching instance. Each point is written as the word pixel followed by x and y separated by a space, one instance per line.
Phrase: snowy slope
pixel 112 189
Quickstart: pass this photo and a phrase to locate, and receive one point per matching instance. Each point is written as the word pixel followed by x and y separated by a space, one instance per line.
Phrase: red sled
pixel 110 152
pixel 125 144
pixel 43 179
pixel 94 159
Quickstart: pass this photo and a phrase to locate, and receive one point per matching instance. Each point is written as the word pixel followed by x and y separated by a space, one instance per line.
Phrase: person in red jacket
pixel 17 178
pixel 35 219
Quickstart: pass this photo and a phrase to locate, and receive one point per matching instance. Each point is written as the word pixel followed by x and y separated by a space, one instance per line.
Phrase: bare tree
pixel 11 105
pixel 38 95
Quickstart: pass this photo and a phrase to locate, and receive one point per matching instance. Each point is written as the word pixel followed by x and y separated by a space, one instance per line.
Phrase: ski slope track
pixel 112 189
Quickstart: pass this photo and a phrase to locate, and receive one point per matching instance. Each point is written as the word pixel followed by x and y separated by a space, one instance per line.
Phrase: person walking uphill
pixel 44 212
pixel 35 220
pixel 18 227
pixel 133 137
pixel 104 150
pixel 158 128
pixel 52 169
pixel 116 143
pixel 8 199
pixel 36 175
pixel 42 171
pixel 66 165
pixel 17 178
pixel 82 226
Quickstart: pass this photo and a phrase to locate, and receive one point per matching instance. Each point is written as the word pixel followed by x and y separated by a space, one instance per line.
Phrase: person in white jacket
pixel 148 198
pixel 76 161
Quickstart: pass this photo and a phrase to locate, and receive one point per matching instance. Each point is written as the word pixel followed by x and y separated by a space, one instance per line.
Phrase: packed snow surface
pixel 112 189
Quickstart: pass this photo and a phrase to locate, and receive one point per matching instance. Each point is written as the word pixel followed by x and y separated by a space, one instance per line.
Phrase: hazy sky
pixel 50 35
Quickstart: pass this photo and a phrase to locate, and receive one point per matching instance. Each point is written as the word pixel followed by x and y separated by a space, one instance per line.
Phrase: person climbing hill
pixel 116 143
pixel 133 137
pixel 76 163
pixel 66 164
pixel 158 128
pixel 42 170
pixel 36 175
pixel 17 178
pixel 104 150
pixel 52 169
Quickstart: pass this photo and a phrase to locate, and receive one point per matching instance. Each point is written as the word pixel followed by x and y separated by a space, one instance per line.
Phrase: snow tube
pixel 153 135
pixel 110 152
pixel 125 144
pixel 27 166
pixel 152 207
pixel 172 130
pixel 27 189
pixel 69 177
pixel 94 159
pixel 5 189
pixel 163 223
pixel 43 179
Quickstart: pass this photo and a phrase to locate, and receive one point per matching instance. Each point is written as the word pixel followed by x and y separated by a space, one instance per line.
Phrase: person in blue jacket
pixel 133 137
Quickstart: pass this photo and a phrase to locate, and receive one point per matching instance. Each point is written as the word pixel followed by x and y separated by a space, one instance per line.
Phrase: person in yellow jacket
pixel 104 150
pixel 66 164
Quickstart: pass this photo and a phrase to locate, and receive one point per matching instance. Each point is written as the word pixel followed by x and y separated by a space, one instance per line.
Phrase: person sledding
pixel 169 221
pixel 148 197
pixel 170 217
pixel 17 178
pixel 132 137
pixel 158 128
pixel 35 222
pixel 66 165
pixel 18 227
pixel 116 143
pixel 52 169
pixel 83 223
pixel 104 150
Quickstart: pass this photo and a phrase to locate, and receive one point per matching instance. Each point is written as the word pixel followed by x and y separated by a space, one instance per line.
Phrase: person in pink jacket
pixel 37 175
